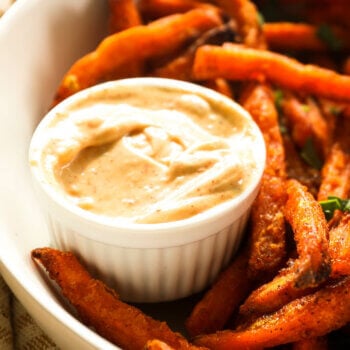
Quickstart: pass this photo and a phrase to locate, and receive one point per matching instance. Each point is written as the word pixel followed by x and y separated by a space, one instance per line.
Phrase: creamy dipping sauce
pixel 149 155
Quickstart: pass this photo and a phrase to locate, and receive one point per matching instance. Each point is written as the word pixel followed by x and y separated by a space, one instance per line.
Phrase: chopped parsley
pixel 332 204
pixel 306 108
pixel 283 129
pixel 261 19
pixel 278 97
pixel 309 154
pixel 326 34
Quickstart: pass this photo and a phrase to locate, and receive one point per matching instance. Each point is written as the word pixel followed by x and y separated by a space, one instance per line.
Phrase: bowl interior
pixel 42 39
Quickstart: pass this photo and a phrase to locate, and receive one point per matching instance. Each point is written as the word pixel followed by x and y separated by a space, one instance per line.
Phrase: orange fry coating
pixel 310 229
pixel 299 36
pixel 311 316
pixel 245 13
pixel 156 344
pixel 272 295
pixel 298 169
pixel 99 306
pixel 123 14
pixel 236 62
pixel 305 122
pixel 267 221
pixel 335 174
pixel 111 59
pixel 242 11
pixel 258 100
pixel 339 247
pixel 268 228
pixel 220 85
pixel 181 67
pixel 154 9
pixel 213 311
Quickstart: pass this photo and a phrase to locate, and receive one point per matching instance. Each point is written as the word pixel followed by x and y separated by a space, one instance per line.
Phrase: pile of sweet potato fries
pixel 286 62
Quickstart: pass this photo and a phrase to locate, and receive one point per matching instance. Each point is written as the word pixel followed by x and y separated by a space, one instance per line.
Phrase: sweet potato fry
pixel 335 174
pixel 330 111
pixel 272 295
pixel 300 278
pixel 213 311
pixel 99 306
pixel 267 221
pixel 268 243
pixel 245 13
pixel 156 344
pixel 236 62
pixel 311 316
pixel 339 247
pixel 181 67
pixel 283 36
pixel 154 9
pixel 259 101
pixel 123 14
pixel 220 85
pixel 298 169
pixel 310 229
pixel 305 121
pixel 319 343
pixel 111 59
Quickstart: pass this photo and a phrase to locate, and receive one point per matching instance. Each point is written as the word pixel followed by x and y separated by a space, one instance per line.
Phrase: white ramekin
pixel 147 262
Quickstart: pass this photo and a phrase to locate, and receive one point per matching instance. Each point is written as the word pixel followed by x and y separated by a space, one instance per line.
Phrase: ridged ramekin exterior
pixel 148 262
pixel 152 275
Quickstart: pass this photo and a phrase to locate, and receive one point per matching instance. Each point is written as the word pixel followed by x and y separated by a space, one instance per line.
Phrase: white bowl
pixel 146 262
pixel 39 40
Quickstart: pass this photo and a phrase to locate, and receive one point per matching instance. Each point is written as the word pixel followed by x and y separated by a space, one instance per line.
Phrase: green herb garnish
pixel 278 97
pixel 309 154
pixel 332 204
pixel 325 33
pixel 306 108
pixel 261 19
pixel 283 129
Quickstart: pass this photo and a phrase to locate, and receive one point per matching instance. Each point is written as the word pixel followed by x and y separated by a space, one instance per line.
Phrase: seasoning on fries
pixel 267 236
pixel 311 316
pixel 335 174
pixel 112 58
pixel 306 123
pixel 130 18
pixel 290 284
pixel 237 62
pixel 100 307
pixel 272 295
pixel 339 246
pixel 219 303
pixel 310 229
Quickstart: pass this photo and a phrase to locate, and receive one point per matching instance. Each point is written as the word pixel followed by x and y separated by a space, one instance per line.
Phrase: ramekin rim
pixel 209 215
